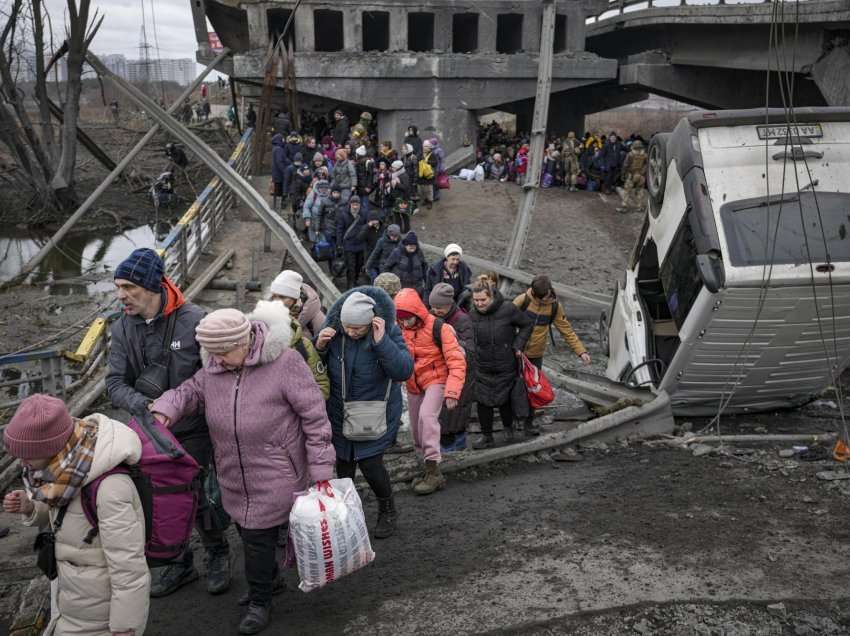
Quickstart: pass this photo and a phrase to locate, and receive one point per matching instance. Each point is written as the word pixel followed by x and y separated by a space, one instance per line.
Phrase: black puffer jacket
pixel 410 268
pixel 499 332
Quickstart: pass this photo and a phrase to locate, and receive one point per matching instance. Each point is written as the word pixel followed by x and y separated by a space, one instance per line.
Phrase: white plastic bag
pixel 329 535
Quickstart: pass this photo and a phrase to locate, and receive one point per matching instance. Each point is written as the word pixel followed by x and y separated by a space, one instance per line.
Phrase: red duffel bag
pixel 540 391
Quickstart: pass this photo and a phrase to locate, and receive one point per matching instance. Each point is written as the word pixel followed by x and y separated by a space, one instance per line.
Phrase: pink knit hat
pixel 222 330
pixel 39 428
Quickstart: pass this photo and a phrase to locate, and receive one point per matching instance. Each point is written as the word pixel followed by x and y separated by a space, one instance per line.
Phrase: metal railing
pixel 618 8
pixel 62 368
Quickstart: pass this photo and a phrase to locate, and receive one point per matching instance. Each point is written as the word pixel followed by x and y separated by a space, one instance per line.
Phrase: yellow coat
pixel 540 311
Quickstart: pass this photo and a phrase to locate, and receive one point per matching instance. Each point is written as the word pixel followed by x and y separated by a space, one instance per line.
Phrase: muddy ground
pixel 633 539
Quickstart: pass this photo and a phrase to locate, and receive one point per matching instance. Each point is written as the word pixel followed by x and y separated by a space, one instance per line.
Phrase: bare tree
pixel 47 160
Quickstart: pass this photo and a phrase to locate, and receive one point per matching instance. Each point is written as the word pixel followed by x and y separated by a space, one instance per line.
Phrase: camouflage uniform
pixel 634 176
pixel 572 149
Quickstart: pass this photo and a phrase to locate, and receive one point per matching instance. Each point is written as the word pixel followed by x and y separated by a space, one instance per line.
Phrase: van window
pixel 679 274
pixel 759 233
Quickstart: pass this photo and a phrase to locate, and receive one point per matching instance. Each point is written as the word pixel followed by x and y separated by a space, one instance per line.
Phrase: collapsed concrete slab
pixel 433 65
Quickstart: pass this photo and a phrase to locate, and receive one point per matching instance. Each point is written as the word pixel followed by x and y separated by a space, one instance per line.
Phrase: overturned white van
pixel 738 289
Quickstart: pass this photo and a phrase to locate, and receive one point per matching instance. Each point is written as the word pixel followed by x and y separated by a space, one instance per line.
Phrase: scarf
pixel 58 483
pixel 395 177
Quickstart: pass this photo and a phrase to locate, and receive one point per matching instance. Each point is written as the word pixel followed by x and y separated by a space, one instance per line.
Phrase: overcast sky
pixel 120 32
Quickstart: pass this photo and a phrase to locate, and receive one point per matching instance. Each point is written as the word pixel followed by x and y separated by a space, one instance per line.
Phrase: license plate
pixel 784 131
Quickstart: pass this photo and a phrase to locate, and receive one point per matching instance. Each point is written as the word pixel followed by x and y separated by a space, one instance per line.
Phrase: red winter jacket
pixel 430 364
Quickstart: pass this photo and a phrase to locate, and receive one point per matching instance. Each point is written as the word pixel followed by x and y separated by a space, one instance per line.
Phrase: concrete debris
pixel 568 454
pixel 833 475
pixel 777 608
pixel 699 450
pixel 786 452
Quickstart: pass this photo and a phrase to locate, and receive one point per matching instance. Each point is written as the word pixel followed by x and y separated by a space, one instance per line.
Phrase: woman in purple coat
pixel 270 433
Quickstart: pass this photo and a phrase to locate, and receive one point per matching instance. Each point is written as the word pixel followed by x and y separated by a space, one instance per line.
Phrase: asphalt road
pixel 543 548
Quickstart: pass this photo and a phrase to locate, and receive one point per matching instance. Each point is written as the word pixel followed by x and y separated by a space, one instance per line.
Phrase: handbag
pixel 323 250
pixel 537 385
pixel 45 547
pixel 365 420
pixel 153 381
pixel 443 182
pixel 216 518
pixel 519 396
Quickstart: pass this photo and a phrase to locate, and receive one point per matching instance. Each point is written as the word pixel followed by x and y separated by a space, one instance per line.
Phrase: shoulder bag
pixel 153 381
pixel 366 420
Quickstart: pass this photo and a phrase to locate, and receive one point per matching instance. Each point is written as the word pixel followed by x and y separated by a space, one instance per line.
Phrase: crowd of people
pixel 288 395
pixel 268 403
pixel 347 192
pixel 593 162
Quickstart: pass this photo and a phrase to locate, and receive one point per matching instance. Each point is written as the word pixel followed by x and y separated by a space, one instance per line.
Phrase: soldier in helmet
pixel 634 176
pixel 571 150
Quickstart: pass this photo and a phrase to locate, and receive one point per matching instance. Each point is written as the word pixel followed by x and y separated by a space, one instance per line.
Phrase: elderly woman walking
pixel 103 584
pixel 270 433
pixel 366 358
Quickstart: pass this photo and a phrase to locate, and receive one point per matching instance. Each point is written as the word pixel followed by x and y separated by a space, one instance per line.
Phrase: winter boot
pixel 433 480
pixel 256 619
pixel 218 571
pixel 387 516
pixel 278 587
pixel 460 442
pixel 509 435
pixel 485 441
pixel 170 578
pixel 531 429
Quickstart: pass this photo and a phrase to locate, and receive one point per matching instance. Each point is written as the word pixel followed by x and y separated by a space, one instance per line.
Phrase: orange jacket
pixel 430 365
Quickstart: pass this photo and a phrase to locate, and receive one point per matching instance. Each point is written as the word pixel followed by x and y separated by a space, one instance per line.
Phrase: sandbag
pixel 328 534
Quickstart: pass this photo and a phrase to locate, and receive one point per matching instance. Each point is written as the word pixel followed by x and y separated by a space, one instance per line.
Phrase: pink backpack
pixel 166 478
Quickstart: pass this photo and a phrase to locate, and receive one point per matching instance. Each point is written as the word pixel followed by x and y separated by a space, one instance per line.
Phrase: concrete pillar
pixel 398 29
pixel 258 26
pixel 443 31
pixel 531 26
pixel 487 28
pixel 451 125
pixel 575 28
pixel 305 35
pixel 199 19
pixel 524 116
pixel 352 30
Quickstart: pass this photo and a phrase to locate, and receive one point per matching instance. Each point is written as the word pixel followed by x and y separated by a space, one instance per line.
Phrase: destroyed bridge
pixel 440 64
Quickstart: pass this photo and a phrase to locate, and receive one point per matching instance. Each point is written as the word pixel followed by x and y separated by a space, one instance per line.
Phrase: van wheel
pixel 604 342
pixel 656 170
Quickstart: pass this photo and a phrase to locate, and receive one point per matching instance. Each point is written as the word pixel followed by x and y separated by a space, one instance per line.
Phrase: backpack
pixel 167 481
pixel 524 307
pixel 426 170
pixel 437 334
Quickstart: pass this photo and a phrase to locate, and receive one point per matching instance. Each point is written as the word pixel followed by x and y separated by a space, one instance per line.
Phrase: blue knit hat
pixel 144 268
pixel 410 239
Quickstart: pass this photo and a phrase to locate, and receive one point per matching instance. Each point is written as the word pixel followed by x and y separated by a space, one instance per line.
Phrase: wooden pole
pixel 538 141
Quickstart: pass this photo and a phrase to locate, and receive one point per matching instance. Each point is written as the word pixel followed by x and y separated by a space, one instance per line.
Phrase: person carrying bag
pixel 366 357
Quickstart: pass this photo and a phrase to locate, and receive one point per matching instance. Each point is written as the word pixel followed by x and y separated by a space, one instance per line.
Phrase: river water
pixel 82 258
